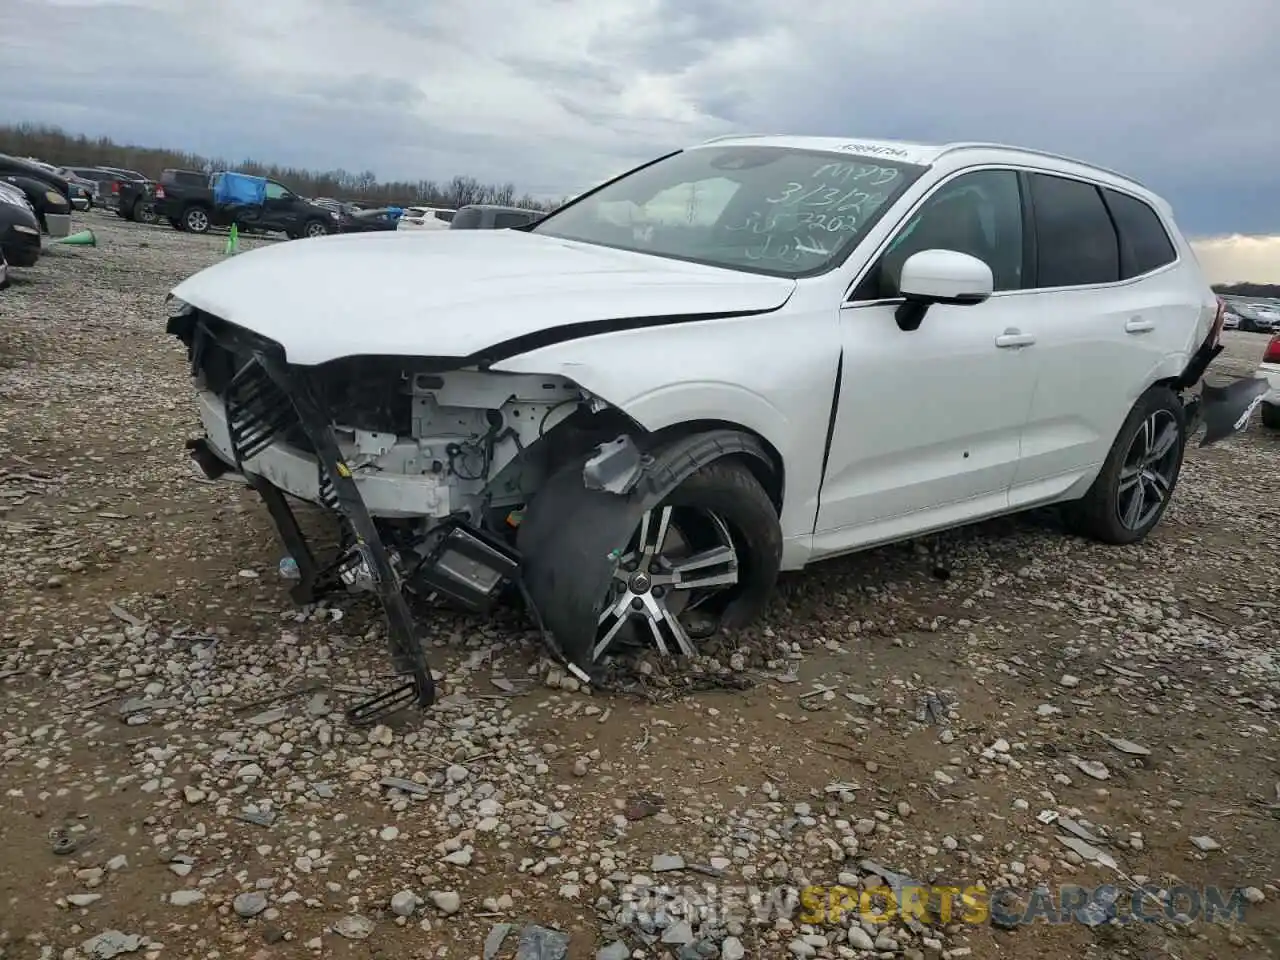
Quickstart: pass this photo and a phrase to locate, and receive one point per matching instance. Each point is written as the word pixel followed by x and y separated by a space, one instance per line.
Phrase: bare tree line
pixel 56 146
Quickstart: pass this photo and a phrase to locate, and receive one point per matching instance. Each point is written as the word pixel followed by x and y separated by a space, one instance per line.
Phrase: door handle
pixel 1013 337
pixel 1138 325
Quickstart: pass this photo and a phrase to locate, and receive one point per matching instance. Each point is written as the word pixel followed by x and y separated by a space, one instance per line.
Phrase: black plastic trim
pixel 526 343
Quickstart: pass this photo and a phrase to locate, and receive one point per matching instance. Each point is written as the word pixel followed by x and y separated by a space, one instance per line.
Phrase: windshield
pixel 773 210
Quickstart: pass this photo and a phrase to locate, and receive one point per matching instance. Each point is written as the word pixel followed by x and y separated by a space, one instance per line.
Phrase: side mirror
pixel 940 276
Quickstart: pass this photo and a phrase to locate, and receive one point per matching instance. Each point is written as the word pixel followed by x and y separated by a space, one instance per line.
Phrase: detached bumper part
pixel 263 400
pixel 1226 410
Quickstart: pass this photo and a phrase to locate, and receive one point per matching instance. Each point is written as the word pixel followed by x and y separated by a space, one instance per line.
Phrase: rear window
pixel 1075 242
pixel 184 178
pixel 468 218
pixel 503 221
pixel 1144 243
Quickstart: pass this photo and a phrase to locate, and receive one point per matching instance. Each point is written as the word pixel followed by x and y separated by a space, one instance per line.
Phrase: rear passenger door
pixel 1106 304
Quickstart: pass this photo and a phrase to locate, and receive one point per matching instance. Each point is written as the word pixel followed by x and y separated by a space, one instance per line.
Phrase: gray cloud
pixel 557 94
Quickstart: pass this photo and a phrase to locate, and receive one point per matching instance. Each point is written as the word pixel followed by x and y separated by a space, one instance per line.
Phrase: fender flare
pixel 571 536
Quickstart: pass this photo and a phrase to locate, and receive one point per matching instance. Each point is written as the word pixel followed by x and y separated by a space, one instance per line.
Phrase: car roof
pixel 963 153
pixel 499 207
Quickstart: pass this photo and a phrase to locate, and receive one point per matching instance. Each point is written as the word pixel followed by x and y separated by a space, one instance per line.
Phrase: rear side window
pixel 502 221
pixel 445 215
pixel 468 218
pixel 1144 243
pixel 1075 241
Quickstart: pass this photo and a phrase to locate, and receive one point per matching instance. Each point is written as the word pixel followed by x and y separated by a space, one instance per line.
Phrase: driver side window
pixel 977 213
pixel 275 191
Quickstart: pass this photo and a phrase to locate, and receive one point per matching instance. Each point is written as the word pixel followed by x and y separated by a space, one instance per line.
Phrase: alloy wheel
pixel 1149 471
pixel 679 558
pixel 316 230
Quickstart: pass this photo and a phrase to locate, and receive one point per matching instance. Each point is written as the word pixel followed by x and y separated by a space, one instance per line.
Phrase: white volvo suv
pixel 737 359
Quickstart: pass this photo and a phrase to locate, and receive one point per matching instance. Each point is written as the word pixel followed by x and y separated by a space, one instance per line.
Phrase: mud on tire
pixel 1106 512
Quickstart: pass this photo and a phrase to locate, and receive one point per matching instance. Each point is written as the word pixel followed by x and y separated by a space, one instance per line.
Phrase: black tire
pixel 1247 326
pixel 1098 513
pixel 196 220
pixel 175 223
pixel 722 497
pixel 1271 416
pixel 144 212
pixel 315 228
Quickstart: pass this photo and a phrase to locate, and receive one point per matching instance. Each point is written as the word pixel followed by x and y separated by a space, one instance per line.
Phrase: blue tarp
pixel 240 189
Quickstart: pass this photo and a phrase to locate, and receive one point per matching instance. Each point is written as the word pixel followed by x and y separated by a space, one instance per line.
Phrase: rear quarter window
pixel 1144 242
pixel 1076 244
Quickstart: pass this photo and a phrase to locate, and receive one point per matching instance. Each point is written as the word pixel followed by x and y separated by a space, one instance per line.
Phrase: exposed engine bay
pixel 426 467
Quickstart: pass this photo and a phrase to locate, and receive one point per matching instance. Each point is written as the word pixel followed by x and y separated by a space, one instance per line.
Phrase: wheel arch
pixel 761 457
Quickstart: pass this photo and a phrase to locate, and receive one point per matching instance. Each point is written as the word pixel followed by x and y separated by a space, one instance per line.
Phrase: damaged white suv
pixel 737 359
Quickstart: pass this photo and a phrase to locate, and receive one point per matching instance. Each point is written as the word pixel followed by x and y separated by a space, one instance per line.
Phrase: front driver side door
pixel 929 422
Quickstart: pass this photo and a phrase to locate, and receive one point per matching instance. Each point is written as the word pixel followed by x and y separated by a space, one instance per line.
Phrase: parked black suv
pixel 192 208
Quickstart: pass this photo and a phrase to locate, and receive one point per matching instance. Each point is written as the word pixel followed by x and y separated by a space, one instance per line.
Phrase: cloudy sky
pixel 557 94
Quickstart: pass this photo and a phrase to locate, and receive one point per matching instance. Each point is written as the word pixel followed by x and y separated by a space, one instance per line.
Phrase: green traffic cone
pixel 84 238
pixel 233 240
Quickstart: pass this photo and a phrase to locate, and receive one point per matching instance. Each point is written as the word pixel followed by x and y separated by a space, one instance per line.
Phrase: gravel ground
pixel 176 778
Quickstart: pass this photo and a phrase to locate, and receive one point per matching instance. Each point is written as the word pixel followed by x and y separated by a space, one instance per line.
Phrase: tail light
pixel 1272 354
pixel 115 186
pixel 159 192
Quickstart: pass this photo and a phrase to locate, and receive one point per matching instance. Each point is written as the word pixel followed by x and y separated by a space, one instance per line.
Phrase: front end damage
pixel 426 469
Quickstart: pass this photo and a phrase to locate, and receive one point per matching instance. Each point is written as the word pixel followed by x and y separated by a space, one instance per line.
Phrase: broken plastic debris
pixel 1086 850
pixel 1047 816
pixel 615 467
pixel 1069 825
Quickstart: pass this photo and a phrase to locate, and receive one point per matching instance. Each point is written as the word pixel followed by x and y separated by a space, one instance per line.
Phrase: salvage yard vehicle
pixel 1270 368
pixel 48 193
pixel 19 228
pixel 425 218
pixel 251 202
pixel 492 216
pixel 737 359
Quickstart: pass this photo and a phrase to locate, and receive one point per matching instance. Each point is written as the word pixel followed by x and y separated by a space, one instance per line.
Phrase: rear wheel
pixel 1137 480
pixel 196 220
pixel 144 211
pixel 316 228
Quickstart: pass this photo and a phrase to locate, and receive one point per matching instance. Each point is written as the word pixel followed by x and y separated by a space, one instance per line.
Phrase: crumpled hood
pixel 454 293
